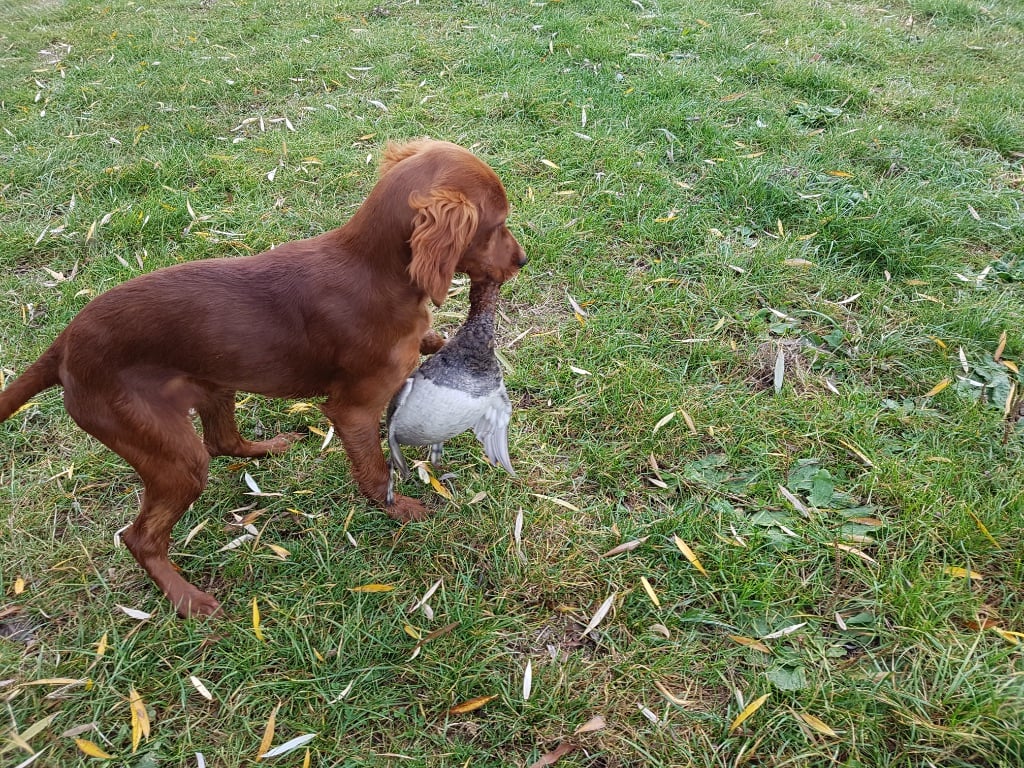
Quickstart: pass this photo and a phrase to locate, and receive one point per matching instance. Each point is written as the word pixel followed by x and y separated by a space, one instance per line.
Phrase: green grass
pixel 841 182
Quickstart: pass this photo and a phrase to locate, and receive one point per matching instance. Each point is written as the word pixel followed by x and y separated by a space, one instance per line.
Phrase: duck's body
pixel 460 387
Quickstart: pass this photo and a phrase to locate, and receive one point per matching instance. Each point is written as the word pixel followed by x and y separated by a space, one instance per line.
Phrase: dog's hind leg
pixel 220 430
pixel 158 440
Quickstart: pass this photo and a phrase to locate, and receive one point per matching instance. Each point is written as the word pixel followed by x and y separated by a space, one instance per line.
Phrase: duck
pixel 460 387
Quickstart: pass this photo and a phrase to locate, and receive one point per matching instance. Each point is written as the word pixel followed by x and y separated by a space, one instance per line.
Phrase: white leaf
pixel 580 371
pixel 198 685
pixel 135 613
pixel 290 746
pixel 200 760
pixel 784 631
pixel 528 680
pixel 797 504
pixel 251 483
pixel 780 369
pixel 663 421
pixel 328 437
pixel 575 305
pixel 648 713
pixel 426 596
pixel 601 613
pixel 236 543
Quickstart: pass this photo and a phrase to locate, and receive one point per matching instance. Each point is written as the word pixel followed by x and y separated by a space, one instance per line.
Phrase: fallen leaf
pixel 962 573
pixel 139 718
pixel 256 620
pixel 748 710
pixel 627 546
pixel 596 723
pixel 426 596
pixel 202 689
pixel 983 529
pixel 19 585
pixel 650 591
pixel 134 613
pixel 689 554
pixel 552 757
pixel 937 388
pixel 750 642
pixel 289 746
pixel 268 733
pixel 663 421
pixel 559 502
pixel 471 705
pixel 784 631
pixel 528 680
pixel 438 486
pixel 92 750
pixel 669 696
pixel 816 725
pixel 854 551
pixel 372 588
pixel 598 617
pixel 648 713
pixel 792 499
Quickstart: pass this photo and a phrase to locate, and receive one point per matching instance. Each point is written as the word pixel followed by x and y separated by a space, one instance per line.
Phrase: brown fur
pixel 344 315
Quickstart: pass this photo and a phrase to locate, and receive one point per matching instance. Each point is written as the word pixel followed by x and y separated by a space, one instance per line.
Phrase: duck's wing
pixel 397 459
pixel 492 430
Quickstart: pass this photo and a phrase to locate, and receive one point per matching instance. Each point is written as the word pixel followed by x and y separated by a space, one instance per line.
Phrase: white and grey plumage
pixel 460 387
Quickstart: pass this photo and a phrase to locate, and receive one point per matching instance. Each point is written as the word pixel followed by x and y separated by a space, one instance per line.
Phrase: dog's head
pixel 460 214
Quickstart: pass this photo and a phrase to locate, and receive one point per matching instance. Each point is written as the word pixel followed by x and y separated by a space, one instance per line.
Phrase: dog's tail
pixel 42 374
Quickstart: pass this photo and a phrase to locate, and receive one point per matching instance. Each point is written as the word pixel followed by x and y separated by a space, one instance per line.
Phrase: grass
pixel 715 185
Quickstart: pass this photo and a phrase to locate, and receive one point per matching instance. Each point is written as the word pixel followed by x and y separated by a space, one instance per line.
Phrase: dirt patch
pixel 795 365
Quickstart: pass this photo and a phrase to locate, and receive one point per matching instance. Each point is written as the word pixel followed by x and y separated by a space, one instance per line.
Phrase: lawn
pixel 764 363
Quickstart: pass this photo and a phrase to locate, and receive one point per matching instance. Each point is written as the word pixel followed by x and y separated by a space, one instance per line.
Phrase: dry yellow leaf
pixel 140 718
pixel 256 620
pixel 840 174
pixel 471 705
pixel 92 750
pixel 983 529
pixel 937 388
pixel 750 642
pixel 689 554
pixel 101 646
pixel 1013 638
pixel 650 591
pixel 268 733
pixel 962 573
pixel 999 349
pixel 372 588
pixel 438 486
pixel 19 585
pixel 816 724
pixel 748 710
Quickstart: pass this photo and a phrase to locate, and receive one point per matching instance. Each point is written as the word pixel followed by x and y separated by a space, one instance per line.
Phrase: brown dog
pixel 344 315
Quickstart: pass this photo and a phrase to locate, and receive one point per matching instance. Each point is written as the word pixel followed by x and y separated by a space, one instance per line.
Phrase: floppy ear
pixel 442 229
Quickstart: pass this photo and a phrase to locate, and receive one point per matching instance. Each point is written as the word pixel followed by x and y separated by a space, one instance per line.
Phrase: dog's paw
pixel 406 510
pixel 282 442
pixel 198 604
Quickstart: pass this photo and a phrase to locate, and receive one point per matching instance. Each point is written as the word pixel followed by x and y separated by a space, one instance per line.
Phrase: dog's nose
pixel 523 258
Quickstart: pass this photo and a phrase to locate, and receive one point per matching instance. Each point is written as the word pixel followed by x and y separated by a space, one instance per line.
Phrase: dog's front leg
pixel 359 430
pixel 431 342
